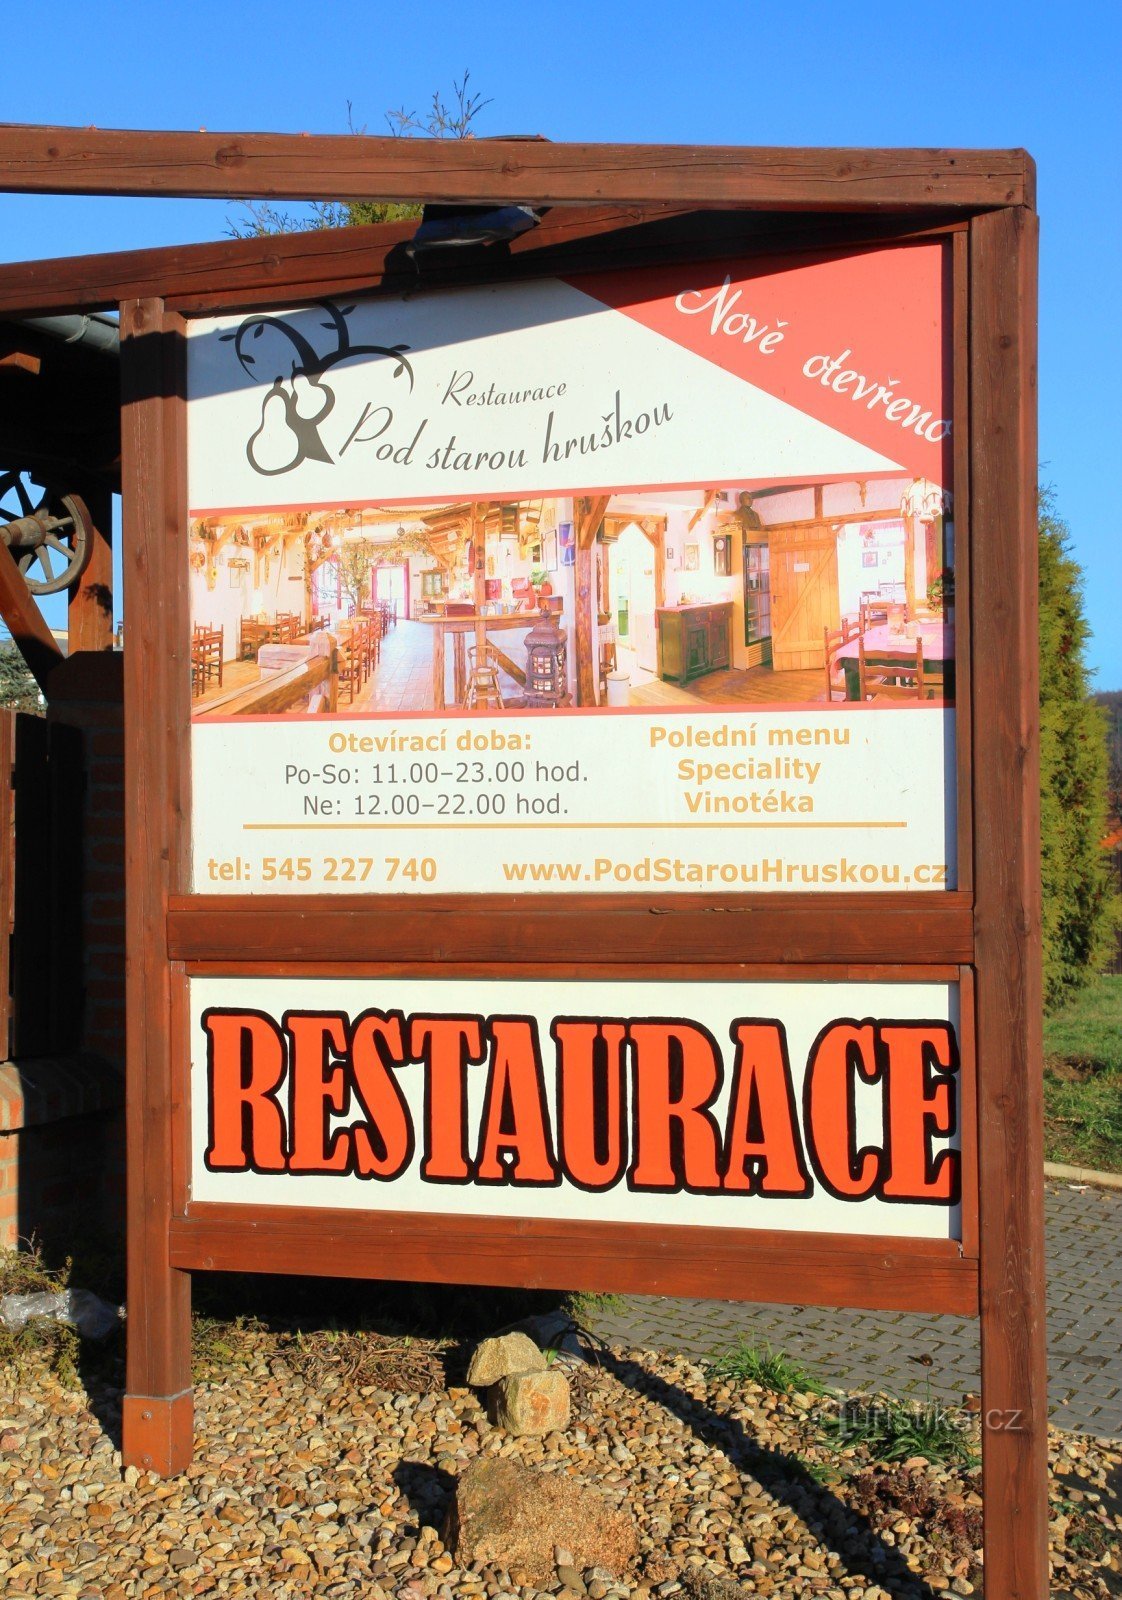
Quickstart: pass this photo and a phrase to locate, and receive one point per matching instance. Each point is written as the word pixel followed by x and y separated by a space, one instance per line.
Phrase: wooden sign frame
pixel 984 935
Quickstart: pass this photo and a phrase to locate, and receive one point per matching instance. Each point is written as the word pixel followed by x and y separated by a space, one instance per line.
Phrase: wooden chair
pixel 891 674
pixel 834 640
pixel 251 636
pixel 371 644
pixel 350 666
pixel 483 678
pixel 934 684
pixel 206 656
pixel 873 611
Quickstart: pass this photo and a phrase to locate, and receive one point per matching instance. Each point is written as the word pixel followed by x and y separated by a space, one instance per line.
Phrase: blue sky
pixel 772 73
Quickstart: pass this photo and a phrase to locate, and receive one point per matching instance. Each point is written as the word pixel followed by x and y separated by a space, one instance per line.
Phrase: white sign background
pixel 401 405
pixel 624 814
pixel 513 339
pixel 804 1009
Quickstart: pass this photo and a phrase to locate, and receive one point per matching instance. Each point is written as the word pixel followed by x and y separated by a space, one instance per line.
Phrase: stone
pixel 530 1403
pixel 506 1515
pixel 502 1357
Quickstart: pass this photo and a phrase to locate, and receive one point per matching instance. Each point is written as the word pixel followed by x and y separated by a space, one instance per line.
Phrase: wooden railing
pixel 281 691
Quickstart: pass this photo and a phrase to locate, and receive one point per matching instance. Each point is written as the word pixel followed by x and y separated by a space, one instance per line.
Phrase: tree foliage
pixel 1080 909
pixel 18 689
pixel 444 119
pixel 356 561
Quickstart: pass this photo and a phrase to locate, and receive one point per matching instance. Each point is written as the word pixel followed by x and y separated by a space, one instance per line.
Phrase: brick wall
pixel 62 1156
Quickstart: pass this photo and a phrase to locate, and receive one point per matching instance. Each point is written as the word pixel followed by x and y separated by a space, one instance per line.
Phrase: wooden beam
pixel 22 361
pixel 25 623
pixel 510 667
pixel 588 518
pixel 278 692
pixel 833 521
pixel 656 538
pixel 123 161
pixel 509 929
pixel 710 497
pixel 588 514
pixel 479 578
pixel 819 1269
pixel 584 584
pixel 282 267
pixel 157 1406
pixel 1006 784
pixel 89 614
pixel 910 564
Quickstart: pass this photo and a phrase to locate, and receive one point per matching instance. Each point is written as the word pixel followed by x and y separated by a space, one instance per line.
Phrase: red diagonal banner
pixel 860 342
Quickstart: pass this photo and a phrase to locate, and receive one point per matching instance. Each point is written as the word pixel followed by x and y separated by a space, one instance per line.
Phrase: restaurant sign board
pixel 710 530
pixel 727 484
pixel 809 1107
pixel 580 725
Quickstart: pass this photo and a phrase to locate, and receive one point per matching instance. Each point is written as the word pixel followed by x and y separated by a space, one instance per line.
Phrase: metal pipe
pixel 94 331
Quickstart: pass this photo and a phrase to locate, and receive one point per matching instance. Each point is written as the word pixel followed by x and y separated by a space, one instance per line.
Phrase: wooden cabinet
pixel 720 619
pixel 693 640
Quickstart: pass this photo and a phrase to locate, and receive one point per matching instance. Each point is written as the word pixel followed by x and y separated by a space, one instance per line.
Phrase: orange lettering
pixel 514 1110
pixel 245 1065
pixel 921 1103
pixel 842 1051
pixel 677 1078
pixel 590 1101
pixel 317 1088
pixel 384 1147
pixel 445 1045
pixel 763 1154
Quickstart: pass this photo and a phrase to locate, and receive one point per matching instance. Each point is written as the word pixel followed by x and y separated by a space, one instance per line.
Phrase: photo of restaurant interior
pixel 790 595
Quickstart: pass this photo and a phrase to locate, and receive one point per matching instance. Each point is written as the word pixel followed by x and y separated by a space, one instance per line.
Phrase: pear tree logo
pixel 299 401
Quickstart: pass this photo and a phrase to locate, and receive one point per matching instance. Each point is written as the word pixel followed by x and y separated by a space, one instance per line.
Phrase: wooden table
pixel 482 626
pixel 938 649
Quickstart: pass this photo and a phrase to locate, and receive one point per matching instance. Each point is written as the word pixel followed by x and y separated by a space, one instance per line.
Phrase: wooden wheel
pixel 52 541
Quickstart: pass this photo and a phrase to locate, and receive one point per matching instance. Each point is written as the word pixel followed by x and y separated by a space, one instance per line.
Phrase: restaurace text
pixel 598 1102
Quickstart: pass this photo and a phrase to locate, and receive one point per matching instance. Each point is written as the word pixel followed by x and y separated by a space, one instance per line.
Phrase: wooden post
pixel 585 590
pixel 587 517
pixel 438 697
pixel 89 613
pixel 157 1420
pixel 910 563
pixel 1003 585
pixel 35 641
pixel 479 580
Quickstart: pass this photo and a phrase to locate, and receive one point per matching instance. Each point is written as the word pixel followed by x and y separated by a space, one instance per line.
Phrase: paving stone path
pixel 882 1350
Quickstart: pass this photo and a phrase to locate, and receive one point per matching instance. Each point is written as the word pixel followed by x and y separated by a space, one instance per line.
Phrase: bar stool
pixel 608 663
pixel 483 679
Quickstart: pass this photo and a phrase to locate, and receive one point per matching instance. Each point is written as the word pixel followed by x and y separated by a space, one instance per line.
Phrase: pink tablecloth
pixel 938 641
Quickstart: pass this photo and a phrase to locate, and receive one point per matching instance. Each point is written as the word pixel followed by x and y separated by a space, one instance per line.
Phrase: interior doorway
pixel 392 584
pixel 633 599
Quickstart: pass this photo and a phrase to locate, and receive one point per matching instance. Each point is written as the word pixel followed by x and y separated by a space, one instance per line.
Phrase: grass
pixel 770 1369
pixel 42 1340
pixel 895 1430
pixel 1083 1079
pixel 585 1308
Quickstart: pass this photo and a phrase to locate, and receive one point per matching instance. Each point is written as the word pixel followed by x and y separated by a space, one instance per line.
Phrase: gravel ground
pixel 309 1481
